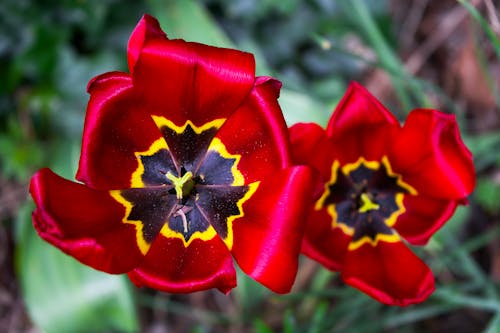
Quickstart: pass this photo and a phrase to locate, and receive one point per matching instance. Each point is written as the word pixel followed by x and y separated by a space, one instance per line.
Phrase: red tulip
pixel 383 185
pixel 185 164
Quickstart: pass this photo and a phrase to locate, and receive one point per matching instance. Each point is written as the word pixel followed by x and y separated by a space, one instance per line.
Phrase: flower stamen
pixel 182 211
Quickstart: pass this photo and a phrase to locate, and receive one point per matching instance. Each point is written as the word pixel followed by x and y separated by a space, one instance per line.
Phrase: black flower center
pixel 364 199
pixel 186 186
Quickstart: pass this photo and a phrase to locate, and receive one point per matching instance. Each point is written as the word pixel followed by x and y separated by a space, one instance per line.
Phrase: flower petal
pixel 115 128
pixel 311 146
pixel 431 156
pixel 423 217
pixel 267 238
pixel 170 266
pixel 147 28
pixel 323 243
pixel 257 131
pixel 389 272
pixel 84 223
pixel 360 126
pixel 184 81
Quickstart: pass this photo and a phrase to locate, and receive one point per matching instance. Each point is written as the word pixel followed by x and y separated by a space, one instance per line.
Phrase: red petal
pixel 431 156
pixel 189 81
pixel 311 146
pixel 423 217
pixel 267 238
pixel 389 272
pixel 84 223
pixel 323 243
pixel 171 267
pixel 361 126
pixel 147 28
pixel 115 128
pixel 258 132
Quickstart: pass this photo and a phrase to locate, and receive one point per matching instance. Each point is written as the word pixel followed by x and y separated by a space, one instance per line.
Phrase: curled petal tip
pixel 147 28
pixel 274 84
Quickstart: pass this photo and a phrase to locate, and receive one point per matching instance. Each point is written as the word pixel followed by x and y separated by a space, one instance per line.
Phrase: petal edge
pixel 388 272
pixel 84 223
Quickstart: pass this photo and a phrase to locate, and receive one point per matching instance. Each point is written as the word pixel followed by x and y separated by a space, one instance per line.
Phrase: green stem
pixel 468 301
pixel 365 21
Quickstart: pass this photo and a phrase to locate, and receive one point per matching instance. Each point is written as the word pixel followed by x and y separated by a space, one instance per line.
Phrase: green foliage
pixel 487 194
pixel 17 153
pixel 49 50
pixel 176 17
pixel 63 295
pixel 474 13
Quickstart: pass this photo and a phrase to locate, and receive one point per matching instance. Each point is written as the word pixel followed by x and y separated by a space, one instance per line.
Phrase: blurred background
pixel 412 53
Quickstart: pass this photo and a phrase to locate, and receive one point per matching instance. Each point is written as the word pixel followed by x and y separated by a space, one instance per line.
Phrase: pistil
pixel 183 185
pixel 367 204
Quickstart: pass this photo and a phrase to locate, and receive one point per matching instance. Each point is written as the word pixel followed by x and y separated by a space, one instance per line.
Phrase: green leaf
pixel 289 322
pixel 486 150
pixel 494 324
pixel 250 294
pixel 190 21
pixel 62 295
pixel 260 326
pixel 298 107
pixel 484 25
pixel 17 155
pixel 176 19
pixel 487 194
pixel 360 14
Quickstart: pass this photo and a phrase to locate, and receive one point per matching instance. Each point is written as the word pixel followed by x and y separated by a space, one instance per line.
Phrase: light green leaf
pixel 62 295
pixel 487 194
pixel 190 21
pixel 298 107
pixel 476 15
pixel 249 294
pixel 176 19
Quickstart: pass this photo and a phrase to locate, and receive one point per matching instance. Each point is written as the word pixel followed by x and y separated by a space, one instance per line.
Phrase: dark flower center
pixel 364 199
pixel 186 186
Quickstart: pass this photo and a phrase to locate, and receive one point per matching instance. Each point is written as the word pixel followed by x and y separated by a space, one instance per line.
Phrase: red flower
pixel 383 184
pixel 185 164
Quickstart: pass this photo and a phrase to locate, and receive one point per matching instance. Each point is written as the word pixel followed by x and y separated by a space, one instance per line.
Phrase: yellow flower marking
pixel 366 201
pixel 141 242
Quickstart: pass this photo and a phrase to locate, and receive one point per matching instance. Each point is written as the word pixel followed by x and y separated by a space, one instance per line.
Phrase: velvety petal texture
pixel 116 126
pixel 171 267
pixel 192 81
pixel 263 142
pixel 389 272
pixel 270 234
pixel 423 217
pixel 440 165
pixel 147 29
pixel 311 138
pixel 381 183
pixel 360 126
pixel 185 166
pixel 84 223
pixel 319 238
